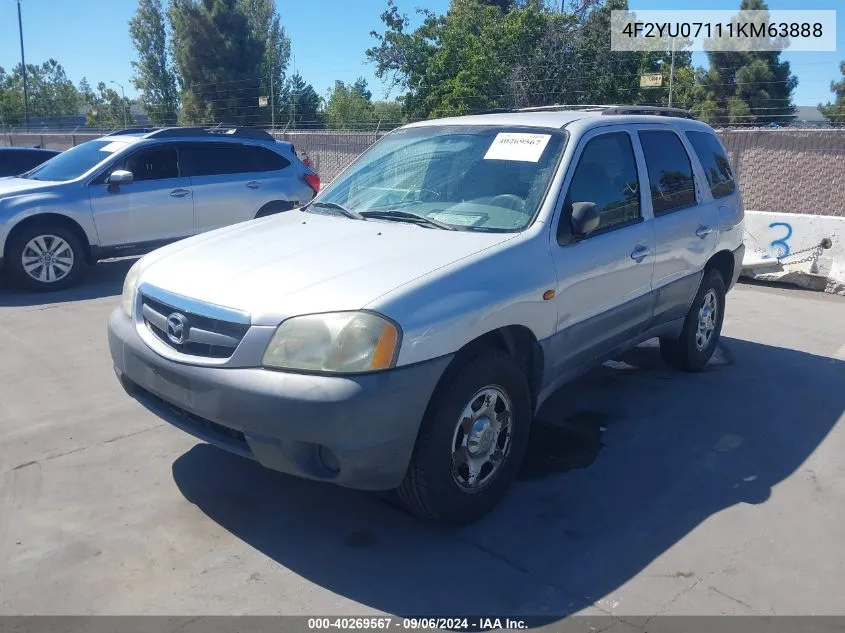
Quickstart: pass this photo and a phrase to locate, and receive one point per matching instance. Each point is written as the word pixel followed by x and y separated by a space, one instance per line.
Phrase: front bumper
pixel 355 431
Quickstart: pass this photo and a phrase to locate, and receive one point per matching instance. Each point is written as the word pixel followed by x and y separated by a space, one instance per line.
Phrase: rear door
pixel 156 207
pixel 273 178
pixel 685 220
pixel 225 191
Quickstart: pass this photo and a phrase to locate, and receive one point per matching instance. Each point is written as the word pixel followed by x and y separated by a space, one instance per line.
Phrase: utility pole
pixel 672 73
pixel 122 103
pixel 23 65
pixel 272 97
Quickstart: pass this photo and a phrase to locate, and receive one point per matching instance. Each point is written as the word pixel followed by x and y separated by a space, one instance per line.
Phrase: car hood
pixel 300 263
pixel 14 186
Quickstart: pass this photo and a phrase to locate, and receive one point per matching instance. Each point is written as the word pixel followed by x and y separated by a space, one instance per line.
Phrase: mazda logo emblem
pixel 177 328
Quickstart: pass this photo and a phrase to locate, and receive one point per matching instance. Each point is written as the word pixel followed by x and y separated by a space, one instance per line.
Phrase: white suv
pixel 401 330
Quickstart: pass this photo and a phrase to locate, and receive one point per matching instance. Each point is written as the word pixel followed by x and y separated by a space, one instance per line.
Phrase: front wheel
pixel 45 257
pixel 702 327
pixel 471 443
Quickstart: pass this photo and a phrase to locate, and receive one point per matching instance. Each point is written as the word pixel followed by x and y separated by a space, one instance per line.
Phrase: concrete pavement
pixel 647 491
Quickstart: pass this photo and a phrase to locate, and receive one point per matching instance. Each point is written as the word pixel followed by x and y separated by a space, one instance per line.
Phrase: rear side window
pixel 210 159
pixel 669 171
pixel 607 176
pixel 714 162
pixel 263 159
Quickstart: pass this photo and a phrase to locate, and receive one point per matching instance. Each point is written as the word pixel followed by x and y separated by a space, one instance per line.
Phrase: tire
pixel 272 208
pixel 63 271
pixel 692 350
pixel 436 486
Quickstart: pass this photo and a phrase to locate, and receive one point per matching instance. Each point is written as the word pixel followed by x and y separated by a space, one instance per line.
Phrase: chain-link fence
pixel 781 170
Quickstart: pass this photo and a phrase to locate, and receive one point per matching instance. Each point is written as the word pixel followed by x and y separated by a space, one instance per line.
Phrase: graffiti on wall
pixel 779 247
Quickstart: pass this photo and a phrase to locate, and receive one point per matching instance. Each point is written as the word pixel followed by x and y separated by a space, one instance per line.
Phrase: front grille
pixel 202 335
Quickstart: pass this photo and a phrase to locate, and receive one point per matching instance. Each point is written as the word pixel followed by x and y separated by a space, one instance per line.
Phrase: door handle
pixel 253 184
pixel 640 253
pixel 703 231
pixel 179 193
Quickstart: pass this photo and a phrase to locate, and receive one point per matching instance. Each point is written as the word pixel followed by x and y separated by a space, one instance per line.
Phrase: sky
pixel 90 39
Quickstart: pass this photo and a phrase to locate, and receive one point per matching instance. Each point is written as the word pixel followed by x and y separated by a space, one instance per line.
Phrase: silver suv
pixel 133 191
pixel 401 330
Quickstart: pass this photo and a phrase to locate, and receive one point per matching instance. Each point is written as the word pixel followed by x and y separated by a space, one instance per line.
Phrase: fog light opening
pixel 328 460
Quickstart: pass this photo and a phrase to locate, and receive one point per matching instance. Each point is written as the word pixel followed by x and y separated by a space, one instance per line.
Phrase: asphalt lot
pixel 647 491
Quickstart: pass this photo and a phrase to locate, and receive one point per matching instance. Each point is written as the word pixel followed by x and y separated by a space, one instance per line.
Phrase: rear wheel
pixel 45 257
pixel 692 350
pixel 471 443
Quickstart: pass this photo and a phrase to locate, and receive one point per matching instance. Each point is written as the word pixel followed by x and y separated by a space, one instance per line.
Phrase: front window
pixel 468 177
pixel 76 161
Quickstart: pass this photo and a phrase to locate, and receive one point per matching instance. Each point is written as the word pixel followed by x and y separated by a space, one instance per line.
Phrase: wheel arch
pixel 54 219
pixel 517 341
pixel 723 261
pixel 273 207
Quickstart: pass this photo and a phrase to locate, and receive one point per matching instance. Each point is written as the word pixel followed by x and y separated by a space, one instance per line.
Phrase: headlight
pixel 340 342
pixel 127 299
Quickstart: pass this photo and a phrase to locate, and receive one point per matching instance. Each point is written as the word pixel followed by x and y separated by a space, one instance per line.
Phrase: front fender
pixel 450 308
pixel 14 211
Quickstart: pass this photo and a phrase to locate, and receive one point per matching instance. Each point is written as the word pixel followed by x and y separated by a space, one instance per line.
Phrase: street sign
pixel 651 80
pixel 262 102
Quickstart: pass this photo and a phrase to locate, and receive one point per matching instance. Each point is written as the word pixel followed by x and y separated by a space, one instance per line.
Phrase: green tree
pixel 302 103
pixel 219 58
pixel 746 86
pixel 349 106
pixel 388 114
pixel 154 76
pixel 478 56
pixel 266 26
pixel 51 95
pixel 836 111
pixel 107 109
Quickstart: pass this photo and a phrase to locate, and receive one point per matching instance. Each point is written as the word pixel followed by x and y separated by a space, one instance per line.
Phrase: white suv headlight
pixel 130 284
pixel 339 342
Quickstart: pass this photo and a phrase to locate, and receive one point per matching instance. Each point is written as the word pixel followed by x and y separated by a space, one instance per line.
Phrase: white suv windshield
pixel 469 177
pixel 75 161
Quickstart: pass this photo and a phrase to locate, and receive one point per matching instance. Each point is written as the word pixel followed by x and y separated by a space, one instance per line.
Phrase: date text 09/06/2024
pixel 386 623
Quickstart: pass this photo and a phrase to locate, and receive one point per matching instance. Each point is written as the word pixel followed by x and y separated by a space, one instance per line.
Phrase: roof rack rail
pixel 614 109
pixel 244 132
pixel 648 110
pixel 564 106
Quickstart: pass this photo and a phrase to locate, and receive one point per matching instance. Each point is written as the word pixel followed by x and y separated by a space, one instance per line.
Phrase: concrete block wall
pixel 789 171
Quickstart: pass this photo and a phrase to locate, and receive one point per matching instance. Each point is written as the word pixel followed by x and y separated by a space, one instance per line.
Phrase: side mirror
pixel 585 218
pixel 119 177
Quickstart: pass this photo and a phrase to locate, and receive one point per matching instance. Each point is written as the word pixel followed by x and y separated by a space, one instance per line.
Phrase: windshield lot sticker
pixel 517 146
pixel 112 147
pixel 457 219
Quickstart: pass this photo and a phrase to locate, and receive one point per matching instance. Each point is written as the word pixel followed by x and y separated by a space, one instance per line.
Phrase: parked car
pixel 17 160
pixel 133 191
pixel 401 330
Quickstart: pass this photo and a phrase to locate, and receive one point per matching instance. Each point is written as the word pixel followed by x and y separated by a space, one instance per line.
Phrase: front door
pixel 156 207
pixel 604 278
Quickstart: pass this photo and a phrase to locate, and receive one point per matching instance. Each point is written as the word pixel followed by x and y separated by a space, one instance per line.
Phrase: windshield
pixel 469 177
pixel 75 161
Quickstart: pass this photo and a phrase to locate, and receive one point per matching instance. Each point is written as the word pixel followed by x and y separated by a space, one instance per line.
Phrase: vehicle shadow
pixel 623 464
pixel 103 280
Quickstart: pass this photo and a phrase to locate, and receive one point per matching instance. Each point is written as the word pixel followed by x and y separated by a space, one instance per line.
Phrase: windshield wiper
pixel 407 216
pixel 349 213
